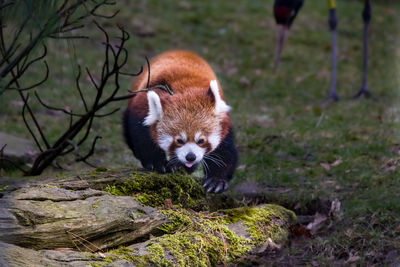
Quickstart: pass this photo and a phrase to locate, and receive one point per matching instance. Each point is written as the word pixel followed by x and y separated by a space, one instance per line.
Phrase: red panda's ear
pixel 210 94
pixel 220 105
pixel 155 109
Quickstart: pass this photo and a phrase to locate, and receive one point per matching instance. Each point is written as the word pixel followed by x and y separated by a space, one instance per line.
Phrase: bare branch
pixel 107 114
pixel 148 75
pixel 16 60
pixel 92 79
pixel 27 124
pixel 63 5
pixel 21 70
pixel 7 53
pixel 6 5
pixel 14 164
pixel 36 84
pixel 78 87
pixel 91 152
pixel 105 2
pixel 24 67
pixel 55 108
pixel 132 74
pixel 68 37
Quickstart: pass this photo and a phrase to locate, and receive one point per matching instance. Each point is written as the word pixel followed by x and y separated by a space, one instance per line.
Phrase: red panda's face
pixel 187 126
pixel 188 135
pixel 189 147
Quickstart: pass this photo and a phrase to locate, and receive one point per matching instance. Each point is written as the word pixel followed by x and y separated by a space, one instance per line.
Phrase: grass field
pixel 285 137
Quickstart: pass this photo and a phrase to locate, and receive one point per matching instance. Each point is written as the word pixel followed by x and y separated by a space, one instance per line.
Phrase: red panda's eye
pixel 201 141
pixel 180 141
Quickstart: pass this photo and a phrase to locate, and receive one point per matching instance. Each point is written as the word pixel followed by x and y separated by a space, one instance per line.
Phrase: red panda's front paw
pixel 215 185
pixel 160 168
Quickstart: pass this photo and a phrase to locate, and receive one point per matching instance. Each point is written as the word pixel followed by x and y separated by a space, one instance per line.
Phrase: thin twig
pixel 80 239
pixel 35 84
pixel 225 245
pixel 148 74
pixel 91 152
pixel 320 120
pixel 55 108
pixel 25 100
pixel 79 88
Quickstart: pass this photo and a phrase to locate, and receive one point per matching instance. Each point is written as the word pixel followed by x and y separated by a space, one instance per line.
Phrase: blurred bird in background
pixel 285 11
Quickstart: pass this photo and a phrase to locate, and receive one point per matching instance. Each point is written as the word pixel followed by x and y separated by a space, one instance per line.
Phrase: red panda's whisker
pixel 205 167
pixel 216 161
pixel 172 161
pixel 215 156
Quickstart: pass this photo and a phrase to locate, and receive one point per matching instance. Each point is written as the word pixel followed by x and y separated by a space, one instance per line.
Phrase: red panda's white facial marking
pixel 187 125
pixel 214 139
pixel 190 154
pixel 199 138
pixel 165 141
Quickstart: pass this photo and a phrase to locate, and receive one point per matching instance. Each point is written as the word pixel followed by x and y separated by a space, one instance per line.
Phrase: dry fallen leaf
pixel 241 167
pixel 319 220
pixel 62 249
pixel 271 245
pixel 299 230
pixel 168 204
pixel 102 255
pixel 326 166
pixel 244 81
pixel 334 212
pixel 353 259
pixel 336 162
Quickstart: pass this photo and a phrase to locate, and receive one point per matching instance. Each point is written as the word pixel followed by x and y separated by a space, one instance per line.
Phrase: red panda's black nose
pixel 190 157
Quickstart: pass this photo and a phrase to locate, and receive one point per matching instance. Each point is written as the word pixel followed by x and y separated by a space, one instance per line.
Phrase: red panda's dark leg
pixel 220 165
pixel 139 141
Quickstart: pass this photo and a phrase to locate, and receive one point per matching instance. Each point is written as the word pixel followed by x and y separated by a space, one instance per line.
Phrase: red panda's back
pixel 179 69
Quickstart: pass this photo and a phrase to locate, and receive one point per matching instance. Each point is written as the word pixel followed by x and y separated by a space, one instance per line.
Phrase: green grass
pixel 282 132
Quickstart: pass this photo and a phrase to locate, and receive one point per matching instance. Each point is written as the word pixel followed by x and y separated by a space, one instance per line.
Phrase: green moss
pixel 2 188
pixel 124 253
pixel 206 240
pixel 156 255
pixel 108 259
pixel 153 189
pixel 262 221
pixel 100 169
pixel 179 221
pixel 121 250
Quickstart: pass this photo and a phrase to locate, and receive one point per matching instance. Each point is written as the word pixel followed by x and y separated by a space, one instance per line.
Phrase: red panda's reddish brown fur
pixel 189 76
pixel 184 130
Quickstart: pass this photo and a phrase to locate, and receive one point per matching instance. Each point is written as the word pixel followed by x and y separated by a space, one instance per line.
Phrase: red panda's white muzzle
pixel 190 154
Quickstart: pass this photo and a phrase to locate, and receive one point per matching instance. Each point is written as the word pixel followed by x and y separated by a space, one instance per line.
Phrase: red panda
pixel 186 129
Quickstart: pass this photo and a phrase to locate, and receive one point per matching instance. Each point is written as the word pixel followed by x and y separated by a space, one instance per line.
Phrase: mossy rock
pixel 153 189
pixel 188 234
pixel 207 239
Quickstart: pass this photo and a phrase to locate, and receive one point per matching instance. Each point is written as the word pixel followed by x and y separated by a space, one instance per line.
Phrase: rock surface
pixel 50 216
pixel 17 149
pixel 213 239
pixel 50 221
pixel 12 255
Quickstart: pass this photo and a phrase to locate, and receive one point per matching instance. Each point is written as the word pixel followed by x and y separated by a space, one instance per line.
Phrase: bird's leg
pixel 333 26
pixel 280 41
pixel 367 13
